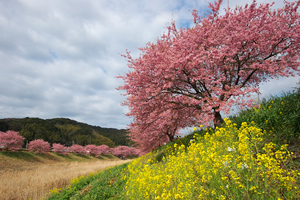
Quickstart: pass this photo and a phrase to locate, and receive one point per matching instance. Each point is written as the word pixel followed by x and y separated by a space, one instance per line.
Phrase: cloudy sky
pixel 59 58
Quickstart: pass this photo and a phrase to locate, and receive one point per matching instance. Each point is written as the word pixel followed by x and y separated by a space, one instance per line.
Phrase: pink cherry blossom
pixel 77 149
pixel 60 149
pixel 38 146
pixel 189 75
pixel 11 141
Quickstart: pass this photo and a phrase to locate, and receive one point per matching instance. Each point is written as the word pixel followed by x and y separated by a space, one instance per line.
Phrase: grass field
pixel 25 175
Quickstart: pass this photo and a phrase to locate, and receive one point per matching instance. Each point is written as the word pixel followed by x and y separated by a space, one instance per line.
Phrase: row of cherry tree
pixel 192 74
pixel 12 141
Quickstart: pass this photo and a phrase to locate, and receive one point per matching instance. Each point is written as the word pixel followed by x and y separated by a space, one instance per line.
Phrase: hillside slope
pixel 64 131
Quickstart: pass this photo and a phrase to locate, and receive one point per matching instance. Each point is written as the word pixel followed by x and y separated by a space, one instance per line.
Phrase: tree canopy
pixel 10 141
pixel 194 73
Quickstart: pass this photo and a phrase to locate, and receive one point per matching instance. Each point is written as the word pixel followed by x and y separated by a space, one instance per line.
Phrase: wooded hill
pixel 64 131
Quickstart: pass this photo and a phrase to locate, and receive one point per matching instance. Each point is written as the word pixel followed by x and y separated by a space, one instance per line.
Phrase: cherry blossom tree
pixel 121 151
pixel 77 149
pixel 151 130
pixel 60 149
pixel 212 66
pixel 38 146
pixel 11 141
pixel 103 149
pixel 134 151
pixel 92 150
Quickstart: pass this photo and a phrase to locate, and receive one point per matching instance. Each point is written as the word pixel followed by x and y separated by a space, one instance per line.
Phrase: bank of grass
pixel 108 184
pixel 254 155
pixel 278 115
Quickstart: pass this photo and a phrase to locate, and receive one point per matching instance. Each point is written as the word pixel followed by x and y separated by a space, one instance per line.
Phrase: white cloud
pixel 60 58
pixel 233 3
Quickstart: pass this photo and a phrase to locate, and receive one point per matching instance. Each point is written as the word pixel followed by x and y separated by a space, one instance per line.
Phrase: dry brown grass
pixel 29 176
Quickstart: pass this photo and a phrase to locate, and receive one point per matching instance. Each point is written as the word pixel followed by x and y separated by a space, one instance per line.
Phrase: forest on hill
pixel 64 131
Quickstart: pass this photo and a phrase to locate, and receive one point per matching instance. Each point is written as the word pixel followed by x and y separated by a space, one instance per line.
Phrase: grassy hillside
pixel 255 155
pixel 64 131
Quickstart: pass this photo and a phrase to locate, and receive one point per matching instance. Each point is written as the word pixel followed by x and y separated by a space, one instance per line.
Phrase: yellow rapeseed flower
pixel 214 165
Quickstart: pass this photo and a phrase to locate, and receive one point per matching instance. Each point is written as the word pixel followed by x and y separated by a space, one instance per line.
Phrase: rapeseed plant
pixel 54 191
pixel 230 163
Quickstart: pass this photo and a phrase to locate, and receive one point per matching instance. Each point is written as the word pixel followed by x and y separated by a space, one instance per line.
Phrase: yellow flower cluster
pixel 231 163
pixel 54 191
pixel 77 180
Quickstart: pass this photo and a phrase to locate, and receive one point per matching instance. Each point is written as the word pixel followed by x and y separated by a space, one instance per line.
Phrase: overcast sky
pixel 59 58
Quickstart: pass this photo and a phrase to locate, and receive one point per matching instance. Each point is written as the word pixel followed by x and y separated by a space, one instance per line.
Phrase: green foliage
pixel 70 128
pixel 110 185
pixel 159 157
pixel 118 136
pixel 100 139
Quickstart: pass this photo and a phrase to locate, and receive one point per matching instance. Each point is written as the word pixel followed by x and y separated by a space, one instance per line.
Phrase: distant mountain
pixel 65 131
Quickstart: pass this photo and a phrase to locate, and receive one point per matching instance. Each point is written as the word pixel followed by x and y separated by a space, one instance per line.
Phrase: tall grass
pixel 28 176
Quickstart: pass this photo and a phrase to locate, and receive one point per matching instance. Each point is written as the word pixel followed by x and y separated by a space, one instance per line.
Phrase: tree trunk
pixel 218 119
pixel 170 136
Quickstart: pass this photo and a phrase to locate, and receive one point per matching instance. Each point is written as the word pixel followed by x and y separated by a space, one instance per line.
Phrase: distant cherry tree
pixel 38 146
pixel 10 141
pixel 60 149
pixel 121 151
pixel 212 66
pixel 92 150
pixel 103 149
pixel 77 149
pixel 134 151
